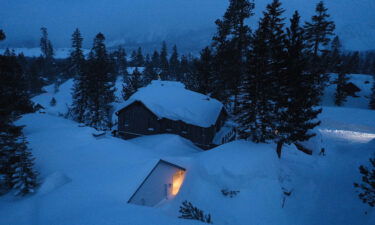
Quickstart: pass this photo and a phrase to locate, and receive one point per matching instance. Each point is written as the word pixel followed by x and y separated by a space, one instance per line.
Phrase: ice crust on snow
pixel 171 100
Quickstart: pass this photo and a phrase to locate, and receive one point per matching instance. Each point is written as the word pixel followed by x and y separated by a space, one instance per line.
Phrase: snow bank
pixel 62 94
pixel 168 99
pixel 52 182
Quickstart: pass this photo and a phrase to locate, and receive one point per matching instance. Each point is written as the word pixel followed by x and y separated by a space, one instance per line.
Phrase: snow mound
pixel 166 144
pixel 238 163
pixel 53 182
pixel 316 143
pixel 169 99
pixel 62 94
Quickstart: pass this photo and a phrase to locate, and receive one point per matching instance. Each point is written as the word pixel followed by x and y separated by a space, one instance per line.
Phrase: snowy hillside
pixel 362 81
pixel 60 53
pixel 88 180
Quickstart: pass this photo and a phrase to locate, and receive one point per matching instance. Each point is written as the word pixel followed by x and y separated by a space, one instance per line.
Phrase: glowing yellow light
pixel 178 179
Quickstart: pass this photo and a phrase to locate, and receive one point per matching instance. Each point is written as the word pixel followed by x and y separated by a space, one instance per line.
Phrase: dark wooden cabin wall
pixel 137 119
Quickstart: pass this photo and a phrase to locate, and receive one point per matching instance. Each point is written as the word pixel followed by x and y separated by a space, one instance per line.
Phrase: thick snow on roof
pixel 171 100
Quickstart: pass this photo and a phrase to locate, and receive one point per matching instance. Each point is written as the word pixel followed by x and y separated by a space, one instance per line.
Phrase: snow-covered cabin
pixel 163 182
pixel 168 107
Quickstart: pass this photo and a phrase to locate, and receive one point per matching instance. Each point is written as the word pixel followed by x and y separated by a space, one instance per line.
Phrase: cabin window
pixel 178 179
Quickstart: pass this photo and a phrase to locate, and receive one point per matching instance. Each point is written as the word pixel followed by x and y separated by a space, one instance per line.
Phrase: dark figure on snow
pixel 322 152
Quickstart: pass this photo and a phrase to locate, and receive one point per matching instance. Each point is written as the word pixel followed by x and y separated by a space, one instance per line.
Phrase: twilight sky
pixel 142 21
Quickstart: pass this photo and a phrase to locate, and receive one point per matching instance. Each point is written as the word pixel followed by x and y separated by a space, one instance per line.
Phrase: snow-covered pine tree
pixel 230 46
pixel 300 111
pixel 100 86
pixel 132 84
pixel 174 65
pixel 23 176
pixel 164 64
pixel 318 34
pixel 14 101
pixel 80 93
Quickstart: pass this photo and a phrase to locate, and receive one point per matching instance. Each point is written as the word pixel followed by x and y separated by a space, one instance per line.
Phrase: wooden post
pixel 279 148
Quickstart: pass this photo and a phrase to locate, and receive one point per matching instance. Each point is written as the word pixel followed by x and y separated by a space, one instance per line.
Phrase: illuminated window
pixel 178 179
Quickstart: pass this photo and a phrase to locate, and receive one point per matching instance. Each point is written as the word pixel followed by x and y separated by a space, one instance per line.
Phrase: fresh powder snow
pixel 86 180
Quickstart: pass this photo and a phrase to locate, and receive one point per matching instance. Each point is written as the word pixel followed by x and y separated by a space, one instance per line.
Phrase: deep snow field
pixel 87 180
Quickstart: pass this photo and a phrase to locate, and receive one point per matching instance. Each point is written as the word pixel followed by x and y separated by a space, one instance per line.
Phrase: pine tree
pixel 2 35
pixel 48 68
pixel 149 73
pixel 46 45
pixel 340 94
pixel 121 62
pixel 14 97
pixel 299 110
pixel 319 30
pixel 338 66
pixel 133 58
pixel 372 97
pixel 335 55
pixel 230 46
pixel 205 73
pixel 133 83
pixel 34 76
pixel 155 60
pixel 174 64
pixel 80 89
pixel 263 88
pixel 23 176
pixel 367 186
pixel 254 91
pixel 14 101
pixel 189 211
pixel 164 64
pixel 100 86
pixel 318 34
pixel 140 61
pixel 354 62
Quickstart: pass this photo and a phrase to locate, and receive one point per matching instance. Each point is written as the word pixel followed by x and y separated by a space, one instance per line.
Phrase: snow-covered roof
pixel 171 100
